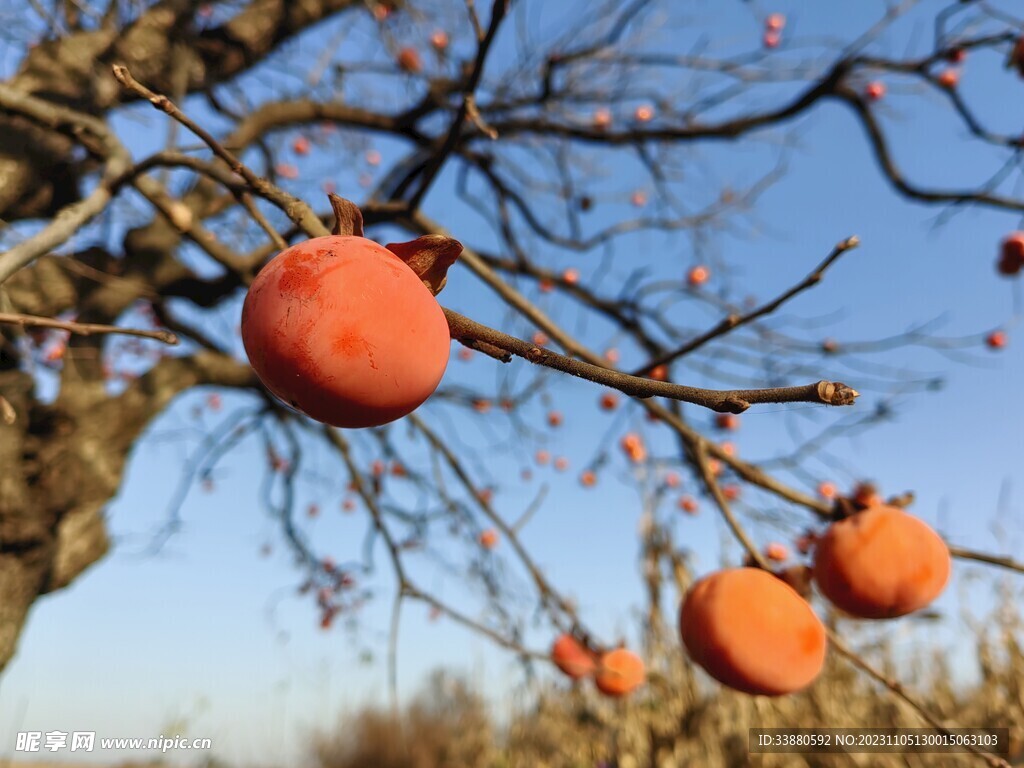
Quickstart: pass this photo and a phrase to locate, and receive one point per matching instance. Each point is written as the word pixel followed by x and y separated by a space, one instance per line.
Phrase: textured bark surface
pixel 63 461
pixel 38 176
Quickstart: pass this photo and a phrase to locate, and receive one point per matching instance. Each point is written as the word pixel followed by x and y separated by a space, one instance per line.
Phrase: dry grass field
pixel 680 720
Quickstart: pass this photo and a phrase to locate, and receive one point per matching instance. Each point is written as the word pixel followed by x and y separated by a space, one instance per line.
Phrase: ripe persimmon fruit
pixel 752 632
pixel 619 672
pixel 881 563
pixel 572 657
pixel 345 331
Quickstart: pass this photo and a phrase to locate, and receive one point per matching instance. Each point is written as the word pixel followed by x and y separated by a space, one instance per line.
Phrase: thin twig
pixel 438 158
pixel 298 211
pixel 983 557
pixel 733 321
pixel 700 453
pixel 421 223
pixel 897 689
pixel 726 401
pixel 548 594
pixel 406 587
pixel 474 19
pixel 531 510
pixel 84 329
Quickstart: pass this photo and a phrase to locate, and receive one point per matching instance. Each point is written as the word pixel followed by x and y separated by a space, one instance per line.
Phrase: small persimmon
pixel 634 448
pixel 949 78
pixel 875 90
pixel 409 61
pixel 439 40
pixel 619 672
pixel 488 539
pixel 881 563
pixel 286 171
pixel 752 632
pixel 658 373
pixel 996 340
pixel 698 276
pixel 727 421
pixel 572 657
pixel 644 113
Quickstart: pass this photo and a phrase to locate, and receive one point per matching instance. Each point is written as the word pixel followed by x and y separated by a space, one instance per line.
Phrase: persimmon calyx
pixel 429 256
pixel 348 219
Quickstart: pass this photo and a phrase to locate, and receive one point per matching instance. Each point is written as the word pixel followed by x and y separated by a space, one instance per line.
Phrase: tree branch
pixel 84 329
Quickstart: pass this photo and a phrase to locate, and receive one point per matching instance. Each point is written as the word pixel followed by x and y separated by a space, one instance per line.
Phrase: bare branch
pixel 725 401
pixel 733 322
pixel 84 329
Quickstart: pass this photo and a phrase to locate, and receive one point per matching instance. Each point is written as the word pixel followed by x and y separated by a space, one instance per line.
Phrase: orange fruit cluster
pixel 616 673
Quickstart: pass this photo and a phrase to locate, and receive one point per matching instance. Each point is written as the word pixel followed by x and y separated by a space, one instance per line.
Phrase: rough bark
pixel 38 175
pixel 63 461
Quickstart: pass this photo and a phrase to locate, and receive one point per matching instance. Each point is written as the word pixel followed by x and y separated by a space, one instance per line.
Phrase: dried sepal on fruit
pixel 430 257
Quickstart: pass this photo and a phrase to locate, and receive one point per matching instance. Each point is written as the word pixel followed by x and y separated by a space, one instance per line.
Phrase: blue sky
pixel 208 637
